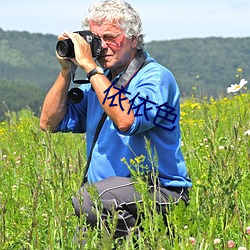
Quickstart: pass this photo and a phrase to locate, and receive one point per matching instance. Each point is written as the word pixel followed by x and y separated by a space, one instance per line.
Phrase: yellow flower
pixel 132 162
pixel 195 105
pixel 240 70
pixel 183 113
pixel 138 160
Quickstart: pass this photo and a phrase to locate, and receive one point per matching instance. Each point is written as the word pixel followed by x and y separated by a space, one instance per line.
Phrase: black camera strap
pixel 97 132
pixel 136 64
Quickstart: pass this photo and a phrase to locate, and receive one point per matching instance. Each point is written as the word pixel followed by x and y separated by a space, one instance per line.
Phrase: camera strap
pixel 136 64
pixel 97 132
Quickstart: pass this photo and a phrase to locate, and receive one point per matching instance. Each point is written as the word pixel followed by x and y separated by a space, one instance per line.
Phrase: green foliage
pixel 14 95
pixel 28 58
pixel 40 172
pixel 28 68
pixel 36 184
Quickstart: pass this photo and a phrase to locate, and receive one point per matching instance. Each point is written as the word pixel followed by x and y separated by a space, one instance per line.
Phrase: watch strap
pixel 93 72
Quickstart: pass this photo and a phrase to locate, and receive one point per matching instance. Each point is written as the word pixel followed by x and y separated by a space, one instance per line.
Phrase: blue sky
pixel 162 19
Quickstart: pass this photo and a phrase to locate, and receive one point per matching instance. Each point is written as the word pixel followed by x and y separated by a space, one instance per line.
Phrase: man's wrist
pixel 65 73
pixel 96 70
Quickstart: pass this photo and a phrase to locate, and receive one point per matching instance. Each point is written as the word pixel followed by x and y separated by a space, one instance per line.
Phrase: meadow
pixel 40 172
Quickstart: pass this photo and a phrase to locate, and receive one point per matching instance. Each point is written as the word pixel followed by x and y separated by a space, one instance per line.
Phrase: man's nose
pixel 104 44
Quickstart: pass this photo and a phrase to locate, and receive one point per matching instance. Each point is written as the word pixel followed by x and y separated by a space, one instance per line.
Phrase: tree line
pixel 202 67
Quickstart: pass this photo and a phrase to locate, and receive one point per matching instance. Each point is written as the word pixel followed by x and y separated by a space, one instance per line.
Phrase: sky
pixel 162 19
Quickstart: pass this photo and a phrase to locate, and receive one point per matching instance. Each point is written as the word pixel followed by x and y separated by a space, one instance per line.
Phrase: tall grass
pixel 40 172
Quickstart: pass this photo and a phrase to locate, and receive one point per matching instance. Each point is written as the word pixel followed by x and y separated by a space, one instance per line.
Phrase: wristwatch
pixel 96 70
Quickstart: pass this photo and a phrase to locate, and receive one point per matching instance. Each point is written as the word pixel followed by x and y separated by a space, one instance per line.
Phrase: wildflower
pixel 195 106
pixel 240 70
pixel 192 240
pixel 248 230
pixel 221 147
pixel 14 188
pixel 132 162
pixel 198 182
pixel 22 210
pixel 216 241
pixel 242 248
pixel 237 87
pixel 247 133
pixel 230 244
pixel 45 216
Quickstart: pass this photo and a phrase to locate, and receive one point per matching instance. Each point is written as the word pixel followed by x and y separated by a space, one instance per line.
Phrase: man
pixel 141 100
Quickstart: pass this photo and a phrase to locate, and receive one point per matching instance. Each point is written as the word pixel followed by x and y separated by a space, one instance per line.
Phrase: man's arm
pixel 55 103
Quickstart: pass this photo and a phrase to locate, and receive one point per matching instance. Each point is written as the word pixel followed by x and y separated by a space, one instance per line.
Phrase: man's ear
pixel 134 42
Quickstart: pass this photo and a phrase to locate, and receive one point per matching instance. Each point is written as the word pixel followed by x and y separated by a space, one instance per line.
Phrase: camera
pixel 65 48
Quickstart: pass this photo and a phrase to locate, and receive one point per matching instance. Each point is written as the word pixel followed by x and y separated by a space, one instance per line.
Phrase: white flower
pixel 217 241
pixel 192 240
pixel 237 87
pixel 22 210
pixel 221 147
pixel 242 248
pixel 246 133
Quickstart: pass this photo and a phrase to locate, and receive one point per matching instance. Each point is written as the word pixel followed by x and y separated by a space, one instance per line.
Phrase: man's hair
pixel 120 13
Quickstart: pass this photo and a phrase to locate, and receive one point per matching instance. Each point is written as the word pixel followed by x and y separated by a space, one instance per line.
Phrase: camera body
pixel 65 48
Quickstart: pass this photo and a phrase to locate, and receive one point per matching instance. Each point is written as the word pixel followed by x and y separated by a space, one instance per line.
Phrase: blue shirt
pixel 157 121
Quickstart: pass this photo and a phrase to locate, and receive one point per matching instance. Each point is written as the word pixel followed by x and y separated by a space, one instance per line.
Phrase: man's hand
pixel 83 54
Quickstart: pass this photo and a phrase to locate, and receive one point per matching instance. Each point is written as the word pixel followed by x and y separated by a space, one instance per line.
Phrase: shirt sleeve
pixel 75 117
pixel 153 89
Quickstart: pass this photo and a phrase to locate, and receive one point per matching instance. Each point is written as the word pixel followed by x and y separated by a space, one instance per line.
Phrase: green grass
pixel 40 172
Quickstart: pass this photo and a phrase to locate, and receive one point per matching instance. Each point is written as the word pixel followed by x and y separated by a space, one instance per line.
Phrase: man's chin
pixel 105 63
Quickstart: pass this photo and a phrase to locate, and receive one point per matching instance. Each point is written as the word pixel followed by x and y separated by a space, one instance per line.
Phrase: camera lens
pixel 65 48
pixel 75 95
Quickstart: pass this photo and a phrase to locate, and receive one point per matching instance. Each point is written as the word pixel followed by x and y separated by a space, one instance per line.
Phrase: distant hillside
pixel 28 58
pixel 210 64
pixel 28 66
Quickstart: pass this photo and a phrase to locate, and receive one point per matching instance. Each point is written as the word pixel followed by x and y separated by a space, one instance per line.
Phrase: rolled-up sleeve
pixel 75 117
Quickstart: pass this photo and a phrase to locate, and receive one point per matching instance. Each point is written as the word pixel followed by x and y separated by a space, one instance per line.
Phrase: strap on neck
pixel 136 64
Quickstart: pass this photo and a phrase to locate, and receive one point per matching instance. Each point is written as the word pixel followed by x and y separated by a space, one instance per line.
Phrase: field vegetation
pixel 40 172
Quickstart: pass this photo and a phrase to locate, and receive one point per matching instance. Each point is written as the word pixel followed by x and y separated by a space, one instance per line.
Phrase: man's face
pixel 118 50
